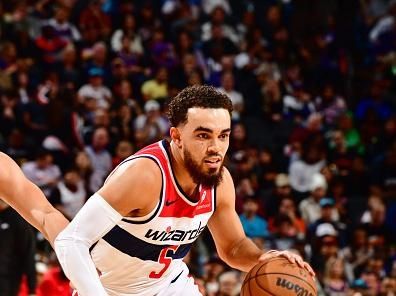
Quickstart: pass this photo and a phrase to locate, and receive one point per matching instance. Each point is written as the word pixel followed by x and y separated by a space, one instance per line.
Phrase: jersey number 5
pixel 165 259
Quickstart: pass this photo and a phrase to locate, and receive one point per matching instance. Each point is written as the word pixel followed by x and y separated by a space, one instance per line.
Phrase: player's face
pixel 205 140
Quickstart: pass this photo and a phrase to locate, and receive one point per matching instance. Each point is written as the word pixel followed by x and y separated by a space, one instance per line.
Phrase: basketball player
pixel 131 236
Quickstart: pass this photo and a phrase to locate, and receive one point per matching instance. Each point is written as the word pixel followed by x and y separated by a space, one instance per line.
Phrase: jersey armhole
pixel 147 218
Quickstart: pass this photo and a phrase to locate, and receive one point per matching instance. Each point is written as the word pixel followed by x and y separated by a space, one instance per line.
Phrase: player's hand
pixel 293 258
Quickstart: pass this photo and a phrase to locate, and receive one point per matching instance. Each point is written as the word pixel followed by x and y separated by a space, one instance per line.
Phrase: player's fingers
pixel 288 256
pixel 309 268
pixel 299 261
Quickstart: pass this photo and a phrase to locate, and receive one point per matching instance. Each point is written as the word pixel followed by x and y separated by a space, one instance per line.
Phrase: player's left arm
pixel 232 245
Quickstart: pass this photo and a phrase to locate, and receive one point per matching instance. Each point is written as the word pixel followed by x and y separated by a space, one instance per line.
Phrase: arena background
pixel 84 84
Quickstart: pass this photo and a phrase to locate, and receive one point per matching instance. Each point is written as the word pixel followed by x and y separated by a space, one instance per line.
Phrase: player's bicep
pixel 132 186
pixel 224 225
pixel 226 230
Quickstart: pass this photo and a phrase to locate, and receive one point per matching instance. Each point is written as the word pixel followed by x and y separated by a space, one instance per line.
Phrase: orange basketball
pixel 278 277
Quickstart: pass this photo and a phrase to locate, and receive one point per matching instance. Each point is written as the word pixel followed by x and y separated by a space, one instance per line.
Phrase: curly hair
pixel 201 96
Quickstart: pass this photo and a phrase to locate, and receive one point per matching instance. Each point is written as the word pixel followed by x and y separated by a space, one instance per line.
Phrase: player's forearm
pixel 243 255
pixel 72 245
pixel 35 208
pixel 74 257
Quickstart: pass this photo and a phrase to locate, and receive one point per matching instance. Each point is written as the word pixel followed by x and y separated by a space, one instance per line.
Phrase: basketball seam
pixel 264 289
pixel 248 279
pixel 264 264
pixel 280 273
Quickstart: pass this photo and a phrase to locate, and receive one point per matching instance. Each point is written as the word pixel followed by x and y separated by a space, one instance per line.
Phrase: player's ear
pixel 175 135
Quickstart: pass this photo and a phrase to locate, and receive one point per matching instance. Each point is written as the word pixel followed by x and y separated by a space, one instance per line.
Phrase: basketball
pixel 278 277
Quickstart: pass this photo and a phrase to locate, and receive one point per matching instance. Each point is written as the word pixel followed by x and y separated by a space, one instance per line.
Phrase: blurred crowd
pixel 84 84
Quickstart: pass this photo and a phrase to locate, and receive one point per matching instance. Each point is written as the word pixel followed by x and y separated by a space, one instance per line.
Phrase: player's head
pixel 200 117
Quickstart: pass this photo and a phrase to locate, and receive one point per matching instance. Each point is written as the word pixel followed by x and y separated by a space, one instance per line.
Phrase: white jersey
pixel 143 256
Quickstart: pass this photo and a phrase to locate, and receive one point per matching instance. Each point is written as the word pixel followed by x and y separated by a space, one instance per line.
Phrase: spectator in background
pixel 157 88
pixel 325 247
pixel 54 283
pixel 18 148
pixel 122 124
pixel 287 208
pixel 93 18
pixel 298 105
pixel 357 252
pixel 83 166
pixel 212 269
pixel 150 126
pixel 377 231
pixel 50 46
pixel 95 89
pixel 227 86
pixel 335 281
pixel 330 105
pixel 229 284
pixel 310 207
pixel 180 76
pixel 218 46
pixel 17 251
pixel 217 18
pixel 302 171
pixel 253 224
pixel 388 287
pixel 162 52
pixel 281 190
pixel 43 172
pixel 372 281
pixel 383 173
pixel 340 154
pixel 99 157
pixel 69 195
pixel 8 64
pixel 94 56
pixel 374 104
pixel 123 150
pixel 128 28
pixel 328 216
pixel 130 59
pixel 8 115
pixel 63 28
pixel 69 72
pixel 284 236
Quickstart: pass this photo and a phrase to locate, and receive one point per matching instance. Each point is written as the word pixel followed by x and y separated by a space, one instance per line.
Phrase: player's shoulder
pixel 143 170
pixel 134 185
pixel 226 179
pixel 225 190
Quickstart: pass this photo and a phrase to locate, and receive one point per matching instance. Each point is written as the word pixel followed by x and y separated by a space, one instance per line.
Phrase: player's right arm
pixel 133 189
pixel 28 200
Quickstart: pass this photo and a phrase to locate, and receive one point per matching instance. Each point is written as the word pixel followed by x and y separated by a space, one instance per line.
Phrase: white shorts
pixel 180 286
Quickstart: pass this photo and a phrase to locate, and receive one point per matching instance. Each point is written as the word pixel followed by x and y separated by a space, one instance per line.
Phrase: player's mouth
pixel 213 162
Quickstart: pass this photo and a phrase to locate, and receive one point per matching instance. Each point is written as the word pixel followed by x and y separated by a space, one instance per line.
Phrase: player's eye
pixel 224 136
pixel 203 136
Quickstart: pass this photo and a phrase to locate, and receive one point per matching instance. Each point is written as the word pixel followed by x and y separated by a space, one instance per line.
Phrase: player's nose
pixel 214 146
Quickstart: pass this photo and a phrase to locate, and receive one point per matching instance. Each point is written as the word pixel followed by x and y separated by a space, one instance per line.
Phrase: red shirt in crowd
pixel 54 284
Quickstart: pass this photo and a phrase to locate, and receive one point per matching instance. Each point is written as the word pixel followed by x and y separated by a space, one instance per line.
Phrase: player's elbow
pixel 226 255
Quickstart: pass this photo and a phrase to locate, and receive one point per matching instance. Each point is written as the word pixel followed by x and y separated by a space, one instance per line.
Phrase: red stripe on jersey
pixel 178 208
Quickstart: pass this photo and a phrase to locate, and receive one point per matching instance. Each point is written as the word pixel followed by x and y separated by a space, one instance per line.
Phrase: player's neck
pixel 180 172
